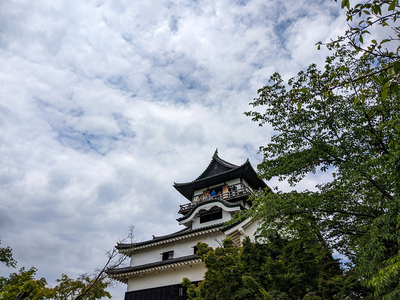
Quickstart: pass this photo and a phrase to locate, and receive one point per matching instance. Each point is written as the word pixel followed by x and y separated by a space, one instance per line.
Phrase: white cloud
pixel 104 104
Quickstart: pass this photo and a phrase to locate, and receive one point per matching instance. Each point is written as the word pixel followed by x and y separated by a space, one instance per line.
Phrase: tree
pixel 94 287
pixel 279 269
pixel 346 121
pixel 23 285
pixel 367 15
pixel 381 18
pixel 84 287
pixel 223 276
pixel 6 256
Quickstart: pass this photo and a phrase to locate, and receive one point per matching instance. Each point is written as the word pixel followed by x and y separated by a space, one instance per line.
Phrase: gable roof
pixel 216 166
pixel 220 171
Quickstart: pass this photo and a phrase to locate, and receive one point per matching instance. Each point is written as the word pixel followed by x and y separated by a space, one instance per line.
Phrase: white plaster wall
pixel 181 248
pixel 233 181
pixel 230 182
pixel 199 192
pixel 166 277
pixel 213 240
pixel 216 185
pixel 246 184
pixel 250 231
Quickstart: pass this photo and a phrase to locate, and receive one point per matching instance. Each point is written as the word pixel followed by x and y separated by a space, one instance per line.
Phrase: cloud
pixel 104 104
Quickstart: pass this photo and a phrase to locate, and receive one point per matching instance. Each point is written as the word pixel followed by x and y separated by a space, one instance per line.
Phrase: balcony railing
pixel 234 191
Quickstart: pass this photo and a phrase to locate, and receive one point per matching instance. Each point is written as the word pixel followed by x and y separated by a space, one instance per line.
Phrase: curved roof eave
pixel 219 160
pixel 194 208
pixel 126 271
pixel 187 188
pixel 155 240
pixel 210 177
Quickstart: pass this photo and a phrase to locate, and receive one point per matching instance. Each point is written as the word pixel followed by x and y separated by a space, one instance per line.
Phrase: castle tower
pixel 159 264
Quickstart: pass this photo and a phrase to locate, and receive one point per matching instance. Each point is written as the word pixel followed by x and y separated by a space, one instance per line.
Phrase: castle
pixel 159 264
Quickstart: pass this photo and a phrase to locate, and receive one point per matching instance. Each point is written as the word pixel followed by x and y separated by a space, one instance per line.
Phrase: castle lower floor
pixel 168 292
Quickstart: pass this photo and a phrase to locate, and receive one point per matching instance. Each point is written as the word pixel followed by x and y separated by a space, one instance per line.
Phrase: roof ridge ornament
pixel 215 153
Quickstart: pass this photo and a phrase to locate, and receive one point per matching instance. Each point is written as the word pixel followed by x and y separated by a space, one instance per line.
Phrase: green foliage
pixel 296 268
pixel 68 288
pixel 365 17
pixel 347 121
pixel 344 119
pixel 374 31
pixel 23 285
pixel 6 256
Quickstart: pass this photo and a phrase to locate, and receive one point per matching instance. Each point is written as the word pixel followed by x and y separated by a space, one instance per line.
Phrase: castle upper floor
pixel 221 180
pixel 221 190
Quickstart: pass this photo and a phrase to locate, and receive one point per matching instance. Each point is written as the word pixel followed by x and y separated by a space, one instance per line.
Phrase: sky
pixel 106 103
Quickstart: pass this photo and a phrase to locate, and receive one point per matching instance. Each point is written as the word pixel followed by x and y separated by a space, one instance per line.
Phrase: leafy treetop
pixel 6 256
pixel 300 268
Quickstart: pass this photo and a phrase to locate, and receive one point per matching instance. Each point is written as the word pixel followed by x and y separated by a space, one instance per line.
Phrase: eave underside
pixel 122 274
pixel 179 235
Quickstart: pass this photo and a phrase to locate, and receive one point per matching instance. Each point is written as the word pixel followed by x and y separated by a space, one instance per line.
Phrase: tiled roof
pixel 151 265
pixel 219 161
pixel 122 274
pixel 217 172
pixel 229 226
pixel 179 233
pixel 200 179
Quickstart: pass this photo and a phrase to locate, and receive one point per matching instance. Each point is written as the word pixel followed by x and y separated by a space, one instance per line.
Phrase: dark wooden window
pixel 170 292
pixel 168 255
pixel 211 216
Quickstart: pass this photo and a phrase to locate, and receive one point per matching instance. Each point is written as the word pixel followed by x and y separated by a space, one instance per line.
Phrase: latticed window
pixel 167 255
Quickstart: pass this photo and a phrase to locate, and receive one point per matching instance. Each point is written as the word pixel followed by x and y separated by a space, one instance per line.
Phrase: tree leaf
pixel 392 5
